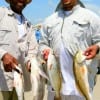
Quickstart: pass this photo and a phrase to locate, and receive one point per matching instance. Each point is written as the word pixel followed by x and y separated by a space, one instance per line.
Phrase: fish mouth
pixel 80 58
pixel 83 59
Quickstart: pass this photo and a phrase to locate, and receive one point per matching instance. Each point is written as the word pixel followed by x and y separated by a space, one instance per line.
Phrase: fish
pixel 18 82
pixel 55 78
pixel 81 75
pixel 38 77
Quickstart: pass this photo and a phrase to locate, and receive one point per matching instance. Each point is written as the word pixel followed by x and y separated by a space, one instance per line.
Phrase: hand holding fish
pixel 54 73
pixel 80 70
pixel 91 52
pixel 9 61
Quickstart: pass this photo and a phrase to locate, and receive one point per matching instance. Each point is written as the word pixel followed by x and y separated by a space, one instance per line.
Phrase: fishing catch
pixel 81 75
pixel 53 69
pixel 37 78
pixel 18 82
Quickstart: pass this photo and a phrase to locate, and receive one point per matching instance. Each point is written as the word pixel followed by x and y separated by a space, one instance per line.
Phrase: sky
pixel 38 10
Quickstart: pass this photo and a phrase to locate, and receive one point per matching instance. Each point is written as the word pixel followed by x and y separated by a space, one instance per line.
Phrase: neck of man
pixel 16 10
pixel 68 7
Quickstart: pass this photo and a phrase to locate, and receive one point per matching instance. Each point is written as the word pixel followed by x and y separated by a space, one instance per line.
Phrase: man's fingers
pixel 90 56
pixel 8 67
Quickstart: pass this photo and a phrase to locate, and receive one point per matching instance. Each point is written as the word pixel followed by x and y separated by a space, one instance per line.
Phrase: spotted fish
pixel 81 75
pixel 53 69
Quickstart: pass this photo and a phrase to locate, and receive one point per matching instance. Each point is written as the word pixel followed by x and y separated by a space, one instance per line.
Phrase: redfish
pixel 81 75
pixel 53 69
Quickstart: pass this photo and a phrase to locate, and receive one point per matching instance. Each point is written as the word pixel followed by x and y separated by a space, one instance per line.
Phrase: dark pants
pixel 8 95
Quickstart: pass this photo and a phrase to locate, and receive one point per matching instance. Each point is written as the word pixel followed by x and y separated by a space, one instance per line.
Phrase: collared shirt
pixel 9 42
pixel 21 26
pixel 76 30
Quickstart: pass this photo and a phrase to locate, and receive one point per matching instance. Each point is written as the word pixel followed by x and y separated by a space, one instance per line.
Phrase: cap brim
pixel 28 1
pixel 59 6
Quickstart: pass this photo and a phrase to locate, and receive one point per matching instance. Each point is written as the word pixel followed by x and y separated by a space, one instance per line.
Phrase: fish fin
pixel 18 69
pixel 42 61
pixel 43 74
pixel 50 67
pixel 57 97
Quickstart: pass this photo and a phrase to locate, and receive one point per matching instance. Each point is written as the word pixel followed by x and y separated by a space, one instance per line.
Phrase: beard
pixel 18 7
pixel 67 7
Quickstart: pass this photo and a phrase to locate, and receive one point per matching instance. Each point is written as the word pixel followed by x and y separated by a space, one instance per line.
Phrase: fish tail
pixel 57 96
pixel 89 97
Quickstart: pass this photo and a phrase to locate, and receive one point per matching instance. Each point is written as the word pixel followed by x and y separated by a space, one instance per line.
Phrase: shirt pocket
pixel 81 29
pixel 3 33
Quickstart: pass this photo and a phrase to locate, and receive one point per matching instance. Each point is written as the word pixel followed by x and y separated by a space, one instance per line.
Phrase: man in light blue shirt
pixel 17 45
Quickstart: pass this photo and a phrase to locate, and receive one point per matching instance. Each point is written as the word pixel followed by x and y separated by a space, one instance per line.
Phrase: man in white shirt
pixel 17 45
pixel 66 31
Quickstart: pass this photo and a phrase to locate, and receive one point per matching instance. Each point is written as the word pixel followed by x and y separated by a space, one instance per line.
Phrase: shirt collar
pixel 12 14
pixel 67 13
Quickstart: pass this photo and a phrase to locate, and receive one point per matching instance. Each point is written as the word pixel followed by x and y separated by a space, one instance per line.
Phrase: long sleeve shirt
pixel 77 30
pixel 21 48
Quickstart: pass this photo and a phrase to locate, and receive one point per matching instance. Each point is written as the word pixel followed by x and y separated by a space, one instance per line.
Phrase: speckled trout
pixel 38 77
pixel 53 69
pixel 81 75
pixel 18 82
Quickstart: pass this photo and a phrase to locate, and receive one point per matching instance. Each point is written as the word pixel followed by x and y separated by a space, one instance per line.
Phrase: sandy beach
pixel 96 91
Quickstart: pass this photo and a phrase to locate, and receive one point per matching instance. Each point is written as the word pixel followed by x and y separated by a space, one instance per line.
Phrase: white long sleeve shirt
pixel 21 25
pixel 77 30
pixel 9 42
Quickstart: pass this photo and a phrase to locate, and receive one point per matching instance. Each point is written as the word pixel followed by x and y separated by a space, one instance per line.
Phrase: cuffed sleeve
pixel 2 52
